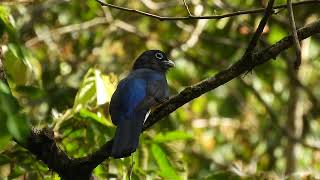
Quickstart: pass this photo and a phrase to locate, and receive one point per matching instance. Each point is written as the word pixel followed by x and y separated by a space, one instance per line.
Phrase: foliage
pixel 63 60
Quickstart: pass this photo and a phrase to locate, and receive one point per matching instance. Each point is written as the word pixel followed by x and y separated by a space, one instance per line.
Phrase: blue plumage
pixel 145 87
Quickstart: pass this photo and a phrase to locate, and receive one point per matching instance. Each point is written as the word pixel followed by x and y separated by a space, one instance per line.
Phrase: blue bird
pixel 145 87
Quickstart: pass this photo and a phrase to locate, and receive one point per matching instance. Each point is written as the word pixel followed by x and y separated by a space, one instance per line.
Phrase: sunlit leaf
pixel 5 24
pixel 15 68
pixel 87 91
pixel 102 96
pixel 83 113
pixel 105 86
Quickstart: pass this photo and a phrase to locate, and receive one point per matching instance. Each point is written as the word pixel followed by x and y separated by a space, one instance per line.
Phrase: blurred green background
pixel 63 59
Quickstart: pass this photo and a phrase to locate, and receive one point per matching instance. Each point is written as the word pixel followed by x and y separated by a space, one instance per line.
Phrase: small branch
pixel 187 8
pixel 253 43
pixel 295 35
pixel 183 18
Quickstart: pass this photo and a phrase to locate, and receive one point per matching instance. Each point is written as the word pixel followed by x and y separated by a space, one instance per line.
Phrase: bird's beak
pixel 169 63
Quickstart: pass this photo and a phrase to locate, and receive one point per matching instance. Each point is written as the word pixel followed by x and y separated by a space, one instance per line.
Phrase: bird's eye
pixel 159 56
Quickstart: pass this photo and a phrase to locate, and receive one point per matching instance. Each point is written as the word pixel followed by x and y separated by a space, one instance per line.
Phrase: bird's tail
pixel 126 138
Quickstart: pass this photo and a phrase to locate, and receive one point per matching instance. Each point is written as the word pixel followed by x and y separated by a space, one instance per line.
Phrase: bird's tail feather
pixel 126 138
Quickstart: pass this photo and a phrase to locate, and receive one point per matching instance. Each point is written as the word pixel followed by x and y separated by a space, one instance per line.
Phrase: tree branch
pixel 256 36
pixel 183 18
pixel 187 8
pixel 295 35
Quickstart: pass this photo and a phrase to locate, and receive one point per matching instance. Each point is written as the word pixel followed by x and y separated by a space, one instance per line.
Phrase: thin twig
pixel 162 18
pixel 295 35
pixel 187 8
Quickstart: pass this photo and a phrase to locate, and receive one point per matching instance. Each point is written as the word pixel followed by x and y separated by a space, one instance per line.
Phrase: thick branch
pixel 162 18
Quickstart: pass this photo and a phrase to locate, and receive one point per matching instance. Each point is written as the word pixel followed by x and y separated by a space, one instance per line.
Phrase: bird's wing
pixel 129 94
pixel 158 90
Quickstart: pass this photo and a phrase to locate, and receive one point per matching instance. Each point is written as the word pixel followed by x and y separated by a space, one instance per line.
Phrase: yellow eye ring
pixel 159 55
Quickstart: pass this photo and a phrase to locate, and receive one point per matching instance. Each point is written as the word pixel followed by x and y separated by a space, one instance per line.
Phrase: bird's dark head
pixel 153 59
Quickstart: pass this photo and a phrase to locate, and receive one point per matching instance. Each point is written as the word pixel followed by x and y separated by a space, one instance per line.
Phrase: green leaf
pixel 5 139
pixel 86 91
pixel 105 86
pixel 84 113
pixel 102 95
pixel 4 88
pixel 166 170
pixel 8 104
pixel 15 66
pixel 16 124
pixel 18 127
pixel 172 136
pixel 5 136
pixel 5 24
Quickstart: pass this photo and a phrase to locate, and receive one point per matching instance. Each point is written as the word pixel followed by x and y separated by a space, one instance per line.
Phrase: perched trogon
pixel 145 87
